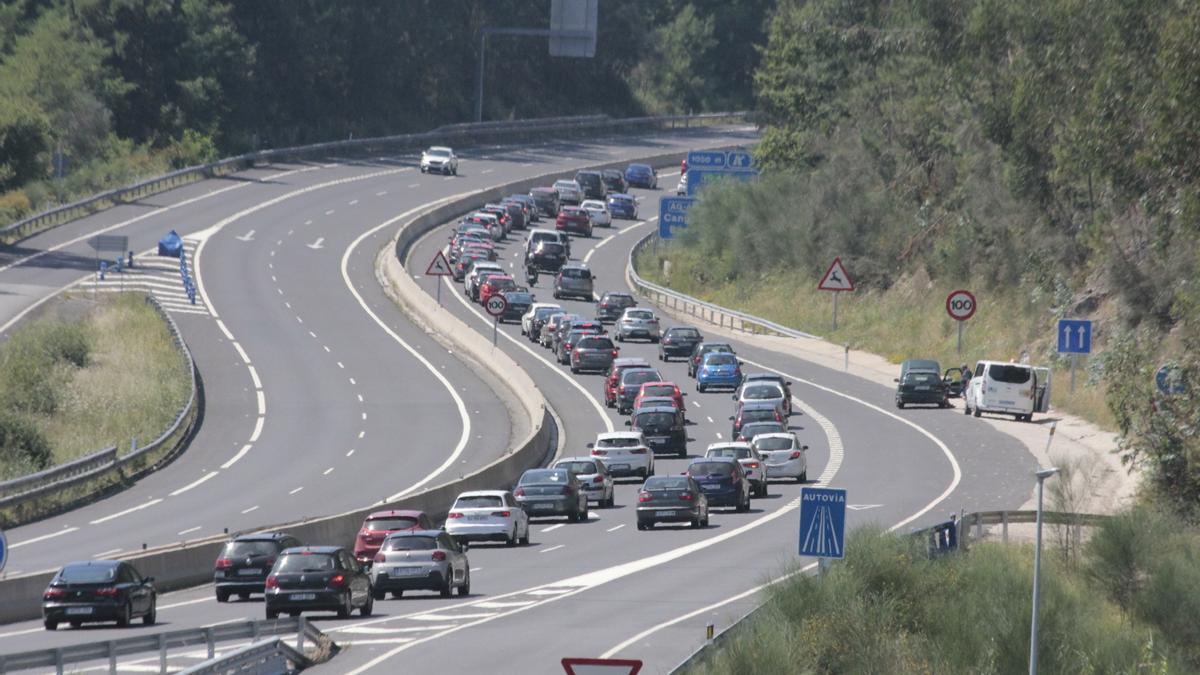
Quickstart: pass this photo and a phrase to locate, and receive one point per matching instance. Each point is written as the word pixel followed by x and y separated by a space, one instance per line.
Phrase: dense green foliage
pixel 128 87
pixel 888 608
pixel 1046 146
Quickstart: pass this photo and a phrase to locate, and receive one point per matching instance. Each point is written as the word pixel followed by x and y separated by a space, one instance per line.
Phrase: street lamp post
pixel 1042 475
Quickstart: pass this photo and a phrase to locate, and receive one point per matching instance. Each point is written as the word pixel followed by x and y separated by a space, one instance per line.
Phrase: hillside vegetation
pixel 129 88
pixel 1041 152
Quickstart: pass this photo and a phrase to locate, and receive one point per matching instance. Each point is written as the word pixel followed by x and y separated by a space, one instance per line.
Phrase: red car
pixel 613 380
pixel 380 524
pixel 574 220
pixel 495 284
pixel 668 389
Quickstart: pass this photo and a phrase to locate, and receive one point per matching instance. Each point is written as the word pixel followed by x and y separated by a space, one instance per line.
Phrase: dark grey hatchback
pixel 98 590
pixel 318 578
pixel 244 563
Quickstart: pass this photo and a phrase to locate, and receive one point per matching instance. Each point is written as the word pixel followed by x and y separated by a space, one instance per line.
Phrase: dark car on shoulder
pixel 318 578
pixel 614 181
pixel 244 563
pixel 592 184
pixel 921 387
pixel 98 590
pixel 519 300
pixel 678 341
pixel 662 427
pixel 671 499
pixel 612 305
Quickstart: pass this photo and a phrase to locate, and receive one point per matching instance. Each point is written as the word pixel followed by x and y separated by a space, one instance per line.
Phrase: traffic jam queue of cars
pixel 398 551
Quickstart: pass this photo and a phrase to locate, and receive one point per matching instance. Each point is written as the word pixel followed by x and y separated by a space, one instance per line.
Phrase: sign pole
pixel 1072 373
pixel 960 337
pixel 495 327
pixel 835 297
pixel 438 281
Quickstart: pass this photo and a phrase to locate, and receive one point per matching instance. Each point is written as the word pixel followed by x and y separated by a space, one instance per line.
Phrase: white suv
pixel 484 515
pixel 440 159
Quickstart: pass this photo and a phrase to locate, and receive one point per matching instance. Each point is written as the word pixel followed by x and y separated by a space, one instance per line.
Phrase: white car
pixel 782 455
pixel 488 515
pixel 756 470
pixel 597 483
pixel 473 276
pixel 681 189
pixel 528 317
pixel 763 391
pixel 569 192
pixel 440 159
pixel 598 212
pixel 624 453
pixel 637 322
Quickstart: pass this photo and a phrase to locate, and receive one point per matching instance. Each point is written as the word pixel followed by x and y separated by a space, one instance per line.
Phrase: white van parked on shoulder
pixel 1013 389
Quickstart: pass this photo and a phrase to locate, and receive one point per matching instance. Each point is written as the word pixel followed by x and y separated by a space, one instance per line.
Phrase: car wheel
pixel 803 477
pixel 744 505
pixel 465 589
pixel 653 340
pixel 243 596
pixel 700 388
pixel 368 606
pixel 50 625
pixel 454 172
pixel 272 613
pixel 151 617
pixel 696 523
pixel 447 588
pixel 347 607
pixel 706 517
pixel 126 616
pixel 976 412
pixel 222 596
pixel 900 405
pixel 574 370
pixel 396 595
pixel 378 594
pixel 966 408
pixel 294 613
pixel 511 539
pixel 640 526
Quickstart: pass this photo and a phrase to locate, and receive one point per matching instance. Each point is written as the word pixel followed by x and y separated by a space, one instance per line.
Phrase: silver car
pixel 638 322
pixel 574 280
pixel 783 455
pixel 552 492
pixel 427 560
pixel 569 192
pixel 597 482
pixel 440 159
pixel 764 391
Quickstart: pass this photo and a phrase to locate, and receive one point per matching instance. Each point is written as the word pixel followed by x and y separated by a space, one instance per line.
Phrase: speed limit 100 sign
pixel 960 305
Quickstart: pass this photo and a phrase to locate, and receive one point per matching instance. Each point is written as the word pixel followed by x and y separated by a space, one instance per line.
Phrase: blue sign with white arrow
pixel 706 159
pixel 739 160
pixel 823 522
pixel 1074 336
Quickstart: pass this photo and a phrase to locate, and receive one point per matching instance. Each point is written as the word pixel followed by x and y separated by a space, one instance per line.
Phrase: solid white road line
pixel 105 554
pixel 252 508
pixel 551 528
pixel 44 537
pixel 258 427
pixel 188 531
pixel 241 453
pixel 296 490
pixel 194 483
pixel 552 548
pixel 126 512
pixel 614 529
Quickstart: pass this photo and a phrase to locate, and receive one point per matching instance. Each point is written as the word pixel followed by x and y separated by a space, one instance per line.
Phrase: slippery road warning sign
pixel 835 278
pixel 576 666
pixel 439 266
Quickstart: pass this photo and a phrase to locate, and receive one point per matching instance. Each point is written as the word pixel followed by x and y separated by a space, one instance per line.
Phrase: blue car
pixel 642 176
pixel 622 206
pixel 719 369
pixel 722 480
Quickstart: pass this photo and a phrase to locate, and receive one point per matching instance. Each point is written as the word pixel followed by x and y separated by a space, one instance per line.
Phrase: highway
pixel 601 587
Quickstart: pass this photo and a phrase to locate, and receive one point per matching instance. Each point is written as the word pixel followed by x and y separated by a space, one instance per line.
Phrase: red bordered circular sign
pixel 961 305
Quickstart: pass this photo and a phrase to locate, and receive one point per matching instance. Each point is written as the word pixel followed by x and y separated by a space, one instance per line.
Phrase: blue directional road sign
pixel 706 159
pixel 697 178
pixel 1074 336
pixel 739 160
pixel 823 522
pixel 672 213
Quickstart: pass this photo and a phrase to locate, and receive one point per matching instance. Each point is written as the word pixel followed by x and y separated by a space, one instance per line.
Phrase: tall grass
pixel 888 608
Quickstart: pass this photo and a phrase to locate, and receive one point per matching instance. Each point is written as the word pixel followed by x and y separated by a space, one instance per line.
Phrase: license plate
pixel 657 439
pixel 405 571
pixel 79 610
pixel 542 507
pixel 304 596
pixel 668 513
pixel 618 467
pixel 478 517
pixel 249 571
pixel 923 388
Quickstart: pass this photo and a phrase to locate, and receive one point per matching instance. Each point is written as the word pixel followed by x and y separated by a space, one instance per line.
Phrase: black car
pixel 703 348
pixel 678 341
pixel 546 200
pixel 671 499
pixel 98 590
pixel 919 386
pixel 631 382
pixel 318 578
pixel 519 299
pixel 749 412
pixel 547 256
pixel 662 428
pixel 592 184
pixel 614 181
pixel 611 306
pixel 244 563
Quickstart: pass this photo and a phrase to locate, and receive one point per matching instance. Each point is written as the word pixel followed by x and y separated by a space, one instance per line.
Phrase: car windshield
pixel 684 333
pixel 1009 374
pixel 658 390
pixel 595 343
pixel 640 376
pixel 735 453
pixel 921 378
pixel 305 562
pixel 711 469
pixel 576 273
pixel 761 392
pixel 437 152
pixel 666 483
pixel 397 523
pixel 544 476
pixel 721 359
pixel 773 443
pixel 639 168
pixel 88 574
pixel 409 543
pixel 626 442
pixel 478 502
pixel 244 549
pixel 581 468
pixel 655 419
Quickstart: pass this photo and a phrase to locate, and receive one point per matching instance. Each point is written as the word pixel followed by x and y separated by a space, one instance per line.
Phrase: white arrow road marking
pixel 249 236
pixel 862 507
pixel 317 244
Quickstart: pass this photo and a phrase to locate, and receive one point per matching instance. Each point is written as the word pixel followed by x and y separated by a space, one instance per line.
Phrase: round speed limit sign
pixel 960 305
pixel 496 305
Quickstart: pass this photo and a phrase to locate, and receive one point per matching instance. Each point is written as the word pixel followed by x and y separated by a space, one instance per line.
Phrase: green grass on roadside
pixel 85 376
pixel 908 320
pixel 887 608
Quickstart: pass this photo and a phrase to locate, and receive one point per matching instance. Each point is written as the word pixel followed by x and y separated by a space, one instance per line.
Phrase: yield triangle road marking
pixel 316 244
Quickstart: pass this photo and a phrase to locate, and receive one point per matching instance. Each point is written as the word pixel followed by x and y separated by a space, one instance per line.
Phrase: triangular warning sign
pixel 439 266
pixel 835 278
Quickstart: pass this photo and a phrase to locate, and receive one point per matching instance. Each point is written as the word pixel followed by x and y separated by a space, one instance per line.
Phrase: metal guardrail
pixel 978 520
pixel 19 492
pixel 706 311
pixel 471 132
pixel 163 643
pixel 266 657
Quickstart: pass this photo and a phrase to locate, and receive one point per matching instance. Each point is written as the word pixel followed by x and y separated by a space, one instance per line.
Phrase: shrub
pixel 35 363
pixel 14 206
pixel 22 446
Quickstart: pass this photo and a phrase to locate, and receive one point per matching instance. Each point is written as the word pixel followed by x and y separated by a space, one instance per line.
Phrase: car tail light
pixel 379 557
pixel 337 580
pixel 600 453
pixel 454 514
pixel 107 592
pixel 598 480
pixel 519 492
pixel 687 496
pixel 566 489
pixel 439 555
pixel 778 417
pixel 222 563
pixel 502 514
pixel 795 455
pixel 54 594
pixel 579 352
pixel 271 582
pixel 644 497
pixel 752 465
pixel 637 451
pixel 615 352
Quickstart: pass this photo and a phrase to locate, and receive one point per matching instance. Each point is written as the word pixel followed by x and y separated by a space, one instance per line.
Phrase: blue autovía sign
pixel 823 522
pixel 672 213
pixel 706 159
pixel 698 178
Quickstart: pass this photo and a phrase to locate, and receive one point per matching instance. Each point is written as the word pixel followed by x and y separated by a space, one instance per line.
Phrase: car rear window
pixel 639 376
pixel 595 343
pixel 687 333
pixel 921 378
pixel 549 248
pixel 658 390
pixel 242 549
pixel 617 443
pixel 761 392
pixel 88 574
pixel 1009 374
pixel 721 359
pixel 734 453
pixel 384 524
pixel 305 562
pixel 753 429
pixel 478 502
pixel 640 314
pixel 410 544
pixel 656 419
pixel 578 468
pixel 758 414
pixel 666 483
pixel 576 273
pixel 711 469
pixel 544 476
pixel 775 443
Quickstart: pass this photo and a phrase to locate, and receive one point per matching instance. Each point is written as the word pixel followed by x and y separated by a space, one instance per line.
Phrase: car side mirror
pixel 804 447
pixel 895 379
pixel 628 423
pixel 590 446
pixel 731 418
pixel 148 580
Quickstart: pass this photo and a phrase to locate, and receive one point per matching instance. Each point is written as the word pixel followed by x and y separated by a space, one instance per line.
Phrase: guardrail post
pixel 112 657
pixel 1004 526
pixel 162 652
pixel 300 633
pixel 978 525
pixel 58 661
pixel 208 640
